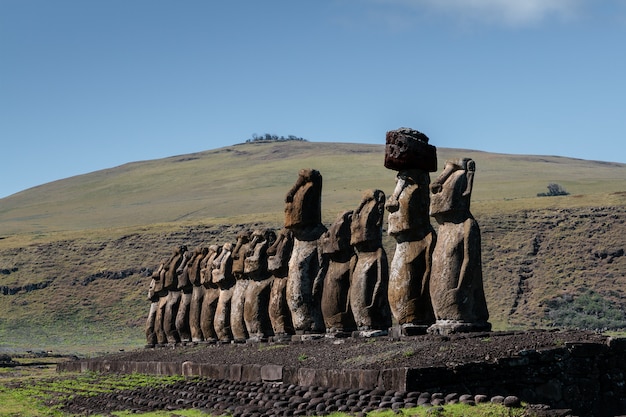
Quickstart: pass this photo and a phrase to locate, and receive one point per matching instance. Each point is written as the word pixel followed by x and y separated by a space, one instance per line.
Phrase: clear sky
pixel 88 85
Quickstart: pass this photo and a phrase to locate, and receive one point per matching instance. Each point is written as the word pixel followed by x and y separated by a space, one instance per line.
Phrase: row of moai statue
pixel 310 280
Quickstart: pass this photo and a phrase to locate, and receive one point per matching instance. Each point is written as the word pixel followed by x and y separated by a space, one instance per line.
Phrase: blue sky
pixel 88 85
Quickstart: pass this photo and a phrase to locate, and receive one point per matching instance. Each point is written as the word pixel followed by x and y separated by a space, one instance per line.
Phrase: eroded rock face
pixel 304 283
pixel 337 262
pixel 456 278
pixel 408 152
pixel 370 271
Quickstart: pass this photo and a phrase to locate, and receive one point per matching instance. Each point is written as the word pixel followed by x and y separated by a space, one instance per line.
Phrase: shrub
pixel 553 190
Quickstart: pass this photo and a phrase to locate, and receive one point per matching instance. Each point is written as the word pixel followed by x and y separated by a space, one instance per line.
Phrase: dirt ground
pixel 370 353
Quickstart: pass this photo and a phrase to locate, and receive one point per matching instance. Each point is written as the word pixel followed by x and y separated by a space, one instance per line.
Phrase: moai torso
pixel 278 265
pixel 456 279
pixel 408 152
pixel 370 273
pixel 222 274
pixel 337 256
pixel 304 284
pixel 257 295
pixel 237 322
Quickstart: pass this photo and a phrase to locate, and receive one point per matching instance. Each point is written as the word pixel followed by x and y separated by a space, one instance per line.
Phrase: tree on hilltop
pixel 273 138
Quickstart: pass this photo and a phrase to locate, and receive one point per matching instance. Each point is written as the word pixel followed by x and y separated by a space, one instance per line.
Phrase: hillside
pixel 75 254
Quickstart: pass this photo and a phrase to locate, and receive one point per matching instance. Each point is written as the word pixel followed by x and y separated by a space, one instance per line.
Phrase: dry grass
pixel 129 217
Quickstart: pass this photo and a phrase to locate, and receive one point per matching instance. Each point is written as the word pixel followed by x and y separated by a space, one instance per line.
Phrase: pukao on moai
pixel 237 322
pixel 337 254
pixel 408 152
pixel 210 296
pixel 173 270
pixel 456 285
pixel 222 274
pixel 303 216
pixel 278 255
pixel 257 297
pixel 370 271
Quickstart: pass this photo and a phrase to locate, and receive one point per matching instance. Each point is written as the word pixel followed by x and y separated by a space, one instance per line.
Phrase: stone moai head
pixel 367 221
pixel 409 203
pixel 408 152
pixel 303 203
pixel 452 190
pixel 256 258
pixel 337 237
pixel 279 252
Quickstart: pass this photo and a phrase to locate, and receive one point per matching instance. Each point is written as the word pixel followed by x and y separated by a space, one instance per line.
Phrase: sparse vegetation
pixel 587 310
pixel 65 244
pixel 553 191
pixel 267 137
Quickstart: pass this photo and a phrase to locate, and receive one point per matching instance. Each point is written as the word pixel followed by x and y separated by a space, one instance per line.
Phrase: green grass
pixel 38 392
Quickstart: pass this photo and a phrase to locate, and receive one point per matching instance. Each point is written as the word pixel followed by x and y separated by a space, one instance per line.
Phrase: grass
pixel 38 392
pixel 129 217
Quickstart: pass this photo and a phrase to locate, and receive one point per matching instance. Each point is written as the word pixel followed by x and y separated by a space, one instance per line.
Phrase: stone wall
pixel 588 378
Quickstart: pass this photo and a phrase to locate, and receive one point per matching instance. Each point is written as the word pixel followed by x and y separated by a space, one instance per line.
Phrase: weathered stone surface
pixel 222 274
pixel 337 254
pixel 304 284
pixel 409 149
pixel 237 322
pixel 370 271
pixel 257 295
pixel 409 274
pixel 210 294
pixel 456 286
pixel 279 254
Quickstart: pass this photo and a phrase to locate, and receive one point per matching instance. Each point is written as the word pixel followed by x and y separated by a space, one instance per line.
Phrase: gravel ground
pixel 369 353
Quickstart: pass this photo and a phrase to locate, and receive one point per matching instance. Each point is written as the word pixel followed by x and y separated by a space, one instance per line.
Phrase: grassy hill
pixel 75 254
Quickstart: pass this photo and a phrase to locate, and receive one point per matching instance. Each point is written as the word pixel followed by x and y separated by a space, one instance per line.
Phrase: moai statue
pixel 155 292
pixel 370 269
pixel 303 214
pixel 337 254
pixel 456 285
pixel 278 255
pixel 222 274
pixel 257 297
pixel 173 270
pixel 210 297
pixel 189 276
pixel 237 322
pixel 408 152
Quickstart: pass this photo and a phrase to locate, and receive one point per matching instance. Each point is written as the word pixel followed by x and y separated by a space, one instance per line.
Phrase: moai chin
pixel 304 283
pixel 456 279
pixel 370 270
pixel 407 151
pixel 337 254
